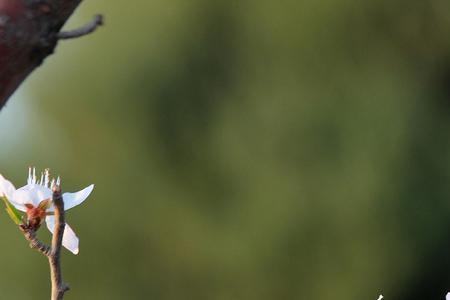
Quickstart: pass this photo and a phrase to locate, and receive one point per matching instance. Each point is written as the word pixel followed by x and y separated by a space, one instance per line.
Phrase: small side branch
pixel 84 30
pixel 30 236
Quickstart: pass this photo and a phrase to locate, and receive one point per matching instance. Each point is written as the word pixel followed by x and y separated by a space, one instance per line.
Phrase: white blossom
pixel 36 195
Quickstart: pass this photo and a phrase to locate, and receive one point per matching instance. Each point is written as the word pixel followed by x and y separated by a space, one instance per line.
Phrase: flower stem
pixel 58 286
pixel 53 253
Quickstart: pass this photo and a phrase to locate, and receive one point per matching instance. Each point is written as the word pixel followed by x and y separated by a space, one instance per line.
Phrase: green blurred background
pixel 242 150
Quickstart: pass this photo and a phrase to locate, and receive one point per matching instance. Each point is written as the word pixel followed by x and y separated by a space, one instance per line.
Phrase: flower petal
pixel 32 194
pixel 6 188
pixel 70 240
pixel 73 199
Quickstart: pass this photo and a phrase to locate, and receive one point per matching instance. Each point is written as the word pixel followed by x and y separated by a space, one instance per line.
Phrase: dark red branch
pixel 28 34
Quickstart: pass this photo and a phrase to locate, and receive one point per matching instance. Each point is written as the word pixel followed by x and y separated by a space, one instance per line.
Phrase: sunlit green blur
pixel 242 150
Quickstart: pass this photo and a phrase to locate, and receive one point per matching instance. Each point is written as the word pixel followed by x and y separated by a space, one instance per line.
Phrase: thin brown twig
pixel 35 243
pixel 58 286
pixel 90 27
pixel 53 252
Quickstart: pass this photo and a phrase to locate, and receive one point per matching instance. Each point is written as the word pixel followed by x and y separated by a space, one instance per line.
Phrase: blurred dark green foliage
pixel 244 150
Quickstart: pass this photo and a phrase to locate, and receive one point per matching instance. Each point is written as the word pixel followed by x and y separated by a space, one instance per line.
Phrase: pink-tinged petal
pixel 74 199
pixel 70 240
pixel 447 297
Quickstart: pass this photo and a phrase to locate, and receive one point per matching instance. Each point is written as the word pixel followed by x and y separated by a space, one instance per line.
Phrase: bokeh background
pixel 242 150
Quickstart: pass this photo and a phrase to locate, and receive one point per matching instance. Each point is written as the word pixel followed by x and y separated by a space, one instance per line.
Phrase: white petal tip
pixel 447 297
pixel 76 251
pixel 89 189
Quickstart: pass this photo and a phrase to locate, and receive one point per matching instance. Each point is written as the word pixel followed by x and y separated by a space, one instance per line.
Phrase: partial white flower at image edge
pixel 447 297
pixel 35 199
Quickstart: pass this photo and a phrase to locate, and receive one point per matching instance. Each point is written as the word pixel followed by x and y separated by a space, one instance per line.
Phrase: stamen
pixel 52 184
pixel 42 179
pixel 58 181
pixel 47 175
pixel 29 176
pixel 34 176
